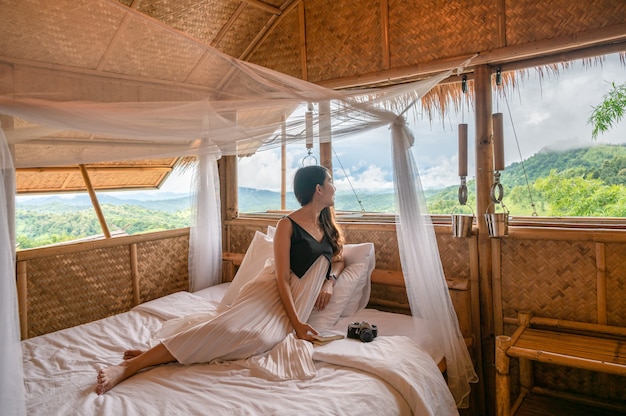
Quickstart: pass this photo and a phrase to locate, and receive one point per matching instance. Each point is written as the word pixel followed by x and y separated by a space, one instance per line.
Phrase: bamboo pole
pixel 567 360
pixel 283 164
pixel 503 378
pixel 484 180
pixel 496 253
pixel 22 297
pixel 134 274
pixel 303 54
pixel 476 325
pixel 94 201
pixel 601 283
pixel 384 20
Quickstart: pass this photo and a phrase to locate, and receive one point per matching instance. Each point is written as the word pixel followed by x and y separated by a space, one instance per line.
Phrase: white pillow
pixel 354 254
pixel 347 281
pixel 260 250
pixel 213 293
pixel 270 231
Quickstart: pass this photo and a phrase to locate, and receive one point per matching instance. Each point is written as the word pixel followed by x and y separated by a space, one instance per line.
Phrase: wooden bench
pixel 593 347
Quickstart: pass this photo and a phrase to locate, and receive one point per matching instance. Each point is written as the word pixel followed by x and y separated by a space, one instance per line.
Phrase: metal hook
pixel 309 156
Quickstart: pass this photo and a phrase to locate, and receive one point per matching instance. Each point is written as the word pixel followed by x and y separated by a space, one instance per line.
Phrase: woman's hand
pixel 305 331
pixel 324 296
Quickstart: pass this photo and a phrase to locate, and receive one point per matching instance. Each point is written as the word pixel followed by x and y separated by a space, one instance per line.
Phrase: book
pixel 322 339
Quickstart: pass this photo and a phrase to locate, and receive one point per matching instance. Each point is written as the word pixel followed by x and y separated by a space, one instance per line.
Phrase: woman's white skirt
pixel 254 323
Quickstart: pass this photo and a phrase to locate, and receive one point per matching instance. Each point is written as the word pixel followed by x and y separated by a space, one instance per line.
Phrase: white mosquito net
pixel 94 81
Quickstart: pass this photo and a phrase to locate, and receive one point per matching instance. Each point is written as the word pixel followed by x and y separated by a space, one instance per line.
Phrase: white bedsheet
pixel 351 377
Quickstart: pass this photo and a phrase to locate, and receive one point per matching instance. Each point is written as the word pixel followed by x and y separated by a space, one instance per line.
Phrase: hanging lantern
pixel 462 150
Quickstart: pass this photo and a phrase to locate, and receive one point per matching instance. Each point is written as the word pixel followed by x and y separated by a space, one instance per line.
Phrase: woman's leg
pixel 109 377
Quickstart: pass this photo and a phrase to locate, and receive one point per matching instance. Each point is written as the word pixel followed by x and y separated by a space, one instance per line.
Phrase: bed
pixel 396 374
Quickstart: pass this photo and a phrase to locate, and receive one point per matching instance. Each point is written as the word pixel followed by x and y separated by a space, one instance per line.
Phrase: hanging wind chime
pixel 309 159
pixel 497 223
pixel 462 223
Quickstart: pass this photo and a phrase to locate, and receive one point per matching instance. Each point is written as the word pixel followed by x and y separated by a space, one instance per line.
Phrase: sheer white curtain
pixel 421 265
pixel 205 238
pixel 11 372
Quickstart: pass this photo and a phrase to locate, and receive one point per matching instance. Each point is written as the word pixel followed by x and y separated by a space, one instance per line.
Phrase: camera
pixel 364 331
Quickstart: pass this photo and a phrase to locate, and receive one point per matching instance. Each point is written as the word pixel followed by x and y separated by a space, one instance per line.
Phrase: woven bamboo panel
pixel 171 59
pixel 76 288
pixel 615 255
pixel 605 386
pixel 248 24
pixel 163 267
pixel 241 236
pixel 281 48
pixel 385 245
pixel 73 46
pixel 549 278
pixel 200 19
pixel 454 254
pixel 342 41
pixel 531 20
pixel 421 31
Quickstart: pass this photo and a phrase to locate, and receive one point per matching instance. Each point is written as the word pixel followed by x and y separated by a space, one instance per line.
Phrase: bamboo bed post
pixel 22 297
pixel 94 201
pixel 525 365
pixel 503 377
pixel 134 274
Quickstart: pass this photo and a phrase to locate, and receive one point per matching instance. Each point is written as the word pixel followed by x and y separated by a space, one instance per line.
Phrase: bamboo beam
pixel 94 201
pixel 263 6
pixel 567 234
pixel 303 54
pixel 228 25
pixel 41 252
pixel 484 180
pixel 98 169
pixel 384 24
pixel 267 29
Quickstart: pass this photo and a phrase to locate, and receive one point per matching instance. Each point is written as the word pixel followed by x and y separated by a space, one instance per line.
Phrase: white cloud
pixel 373 178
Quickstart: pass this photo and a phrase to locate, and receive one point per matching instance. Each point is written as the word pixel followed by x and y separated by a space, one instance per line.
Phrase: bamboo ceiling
pixel 339 44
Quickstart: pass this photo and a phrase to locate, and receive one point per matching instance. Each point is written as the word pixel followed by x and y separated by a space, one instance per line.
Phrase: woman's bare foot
pixel 109 377
pixel 128 354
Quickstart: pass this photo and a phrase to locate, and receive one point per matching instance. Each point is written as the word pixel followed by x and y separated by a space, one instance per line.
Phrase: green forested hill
pixel 607 163
pixel 579 182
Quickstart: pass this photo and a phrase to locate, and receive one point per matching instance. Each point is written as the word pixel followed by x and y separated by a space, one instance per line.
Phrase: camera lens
pixel 366 335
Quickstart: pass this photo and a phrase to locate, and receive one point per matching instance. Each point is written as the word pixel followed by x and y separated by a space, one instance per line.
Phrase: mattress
pixel 396 374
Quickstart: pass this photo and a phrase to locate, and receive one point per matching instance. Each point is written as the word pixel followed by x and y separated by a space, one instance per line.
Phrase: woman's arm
pixel 282 246
pixel 326 293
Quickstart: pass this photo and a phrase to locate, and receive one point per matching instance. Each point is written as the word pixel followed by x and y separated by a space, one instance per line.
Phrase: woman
pixel 307 259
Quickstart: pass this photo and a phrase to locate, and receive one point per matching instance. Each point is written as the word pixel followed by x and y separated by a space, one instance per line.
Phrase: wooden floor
pixel 536 405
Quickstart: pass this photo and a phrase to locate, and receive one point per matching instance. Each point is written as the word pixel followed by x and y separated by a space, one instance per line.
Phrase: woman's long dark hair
pixel 304 184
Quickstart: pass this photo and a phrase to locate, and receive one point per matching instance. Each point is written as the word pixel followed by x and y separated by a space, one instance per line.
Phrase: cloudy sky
pixel 544 111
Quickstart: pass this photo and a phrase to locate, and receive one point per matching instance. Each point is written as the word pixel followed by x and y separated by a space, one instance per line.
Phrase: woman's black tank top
pixel 305 250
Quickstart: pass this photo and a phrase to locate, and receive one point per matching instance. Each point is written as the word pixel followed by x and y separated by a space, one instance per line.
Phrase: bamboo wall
pixel 72 284
pixel 563 273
